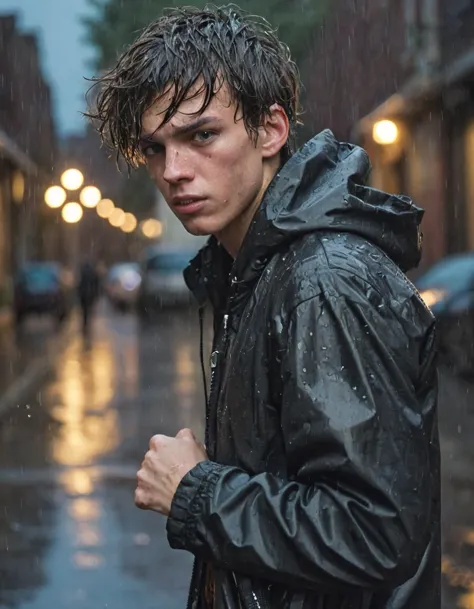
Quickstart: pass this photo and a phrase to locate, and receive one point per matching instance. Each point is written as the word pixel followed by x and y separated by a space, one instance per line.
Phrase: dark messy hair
pixel 186 46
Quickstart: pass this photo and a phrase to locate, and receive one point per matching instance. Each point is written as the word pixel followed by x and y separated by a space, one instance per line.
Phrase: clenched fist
pixel 164 466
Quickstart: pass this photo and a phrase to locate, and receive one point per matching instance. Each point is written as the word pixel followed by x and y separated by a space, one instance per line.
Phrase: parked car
pixel 448 289
pixel 42 288
pixel 121 285
pixel 162 283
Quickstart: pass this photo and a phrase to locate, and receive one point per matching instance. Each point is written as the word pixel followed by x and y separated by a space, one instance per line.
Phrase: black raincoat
pixel 322 488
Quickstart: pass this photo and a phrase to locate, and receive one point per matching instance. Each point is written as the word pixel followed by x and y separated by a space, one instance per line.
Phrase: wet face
pixel 208 169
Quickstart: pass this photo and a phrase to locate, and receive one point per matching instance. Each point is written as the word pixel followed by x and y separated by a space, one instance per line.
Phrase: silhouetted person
pixel 88 292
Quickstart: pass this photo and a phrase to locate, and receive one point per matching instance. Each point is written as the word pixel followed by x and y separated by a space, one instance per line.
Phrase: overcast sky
pixel 63 52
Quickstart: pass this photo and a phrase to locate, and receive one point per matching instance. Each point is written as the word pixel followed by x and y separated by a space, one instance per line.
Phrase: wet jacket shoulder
pixel 323 488
pixel 343 272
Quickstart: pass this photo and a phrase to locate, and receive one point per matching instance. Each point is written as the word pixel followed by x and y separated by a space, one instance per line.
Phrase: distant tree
pixel 116 23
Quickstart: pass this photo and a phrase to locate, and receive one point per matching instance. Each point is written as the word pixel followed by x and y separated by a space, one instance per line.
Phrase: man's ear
pixel 273 134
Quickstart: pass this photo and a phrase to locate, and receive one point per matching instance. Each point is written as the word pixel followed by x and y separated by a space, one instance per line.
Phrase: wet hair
pixel 190 51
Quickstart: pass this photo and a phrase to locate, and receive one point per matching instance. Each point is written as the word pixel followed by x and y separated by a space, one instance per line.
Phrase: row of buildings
pixel 407 61
pixel 410 62
pixel 28 151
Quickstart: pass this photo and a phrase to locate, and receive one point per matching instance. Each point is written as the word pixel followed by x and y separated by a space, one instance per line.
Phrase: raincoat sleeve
pixel 355 510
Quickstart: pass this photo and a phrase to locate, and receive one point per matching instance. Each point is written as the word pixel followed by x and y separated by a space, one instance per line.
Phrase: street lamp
pixel 55 196
pixel 72 179
pixel 117 217
pixel 129 223
pixel 105 207
pixel 72 213
pixel 151 228
pixel 90 196
pixel 385 132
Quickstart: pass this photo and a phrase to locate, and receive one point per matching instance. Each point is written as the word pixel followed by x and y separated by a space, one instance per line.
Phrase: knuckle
pixel 186 434
pixel 139 499
pixel 149 456
pixel 156 441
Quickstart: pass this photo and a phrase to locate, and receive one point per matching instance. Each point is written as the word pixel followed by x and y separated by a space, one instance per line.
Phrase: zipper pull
pixel 213 359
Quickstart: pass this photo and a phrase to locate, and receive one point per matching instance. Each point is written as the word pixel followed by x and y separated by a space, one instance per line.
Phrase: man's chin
pixel 197 229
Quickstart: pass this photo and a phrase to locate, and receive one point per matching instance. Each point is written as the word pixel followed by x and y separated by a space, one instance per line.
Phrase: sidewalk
pixel 26 358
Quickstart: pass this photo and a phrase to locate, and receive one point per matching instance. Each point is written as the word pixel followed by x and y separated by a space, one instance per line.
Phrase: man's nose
pixel 178 167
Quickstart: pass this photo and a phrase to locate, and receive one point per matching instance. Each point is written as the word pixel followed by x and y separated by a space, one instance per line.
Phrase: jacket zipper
pixel 214 360
pixel 211 418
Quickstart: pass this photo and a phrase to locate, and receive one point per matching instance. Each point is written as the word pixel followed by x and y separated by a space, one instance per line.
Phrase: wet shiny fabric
pixel 322 488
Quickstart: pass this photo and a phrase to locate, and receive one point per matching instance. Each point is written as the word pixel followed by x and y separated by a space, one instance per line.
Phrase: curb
pixel 36 372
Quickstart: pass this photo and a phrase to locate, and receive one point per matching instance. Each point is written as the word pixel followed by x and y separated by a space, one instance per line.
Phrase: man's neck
pixel 233 235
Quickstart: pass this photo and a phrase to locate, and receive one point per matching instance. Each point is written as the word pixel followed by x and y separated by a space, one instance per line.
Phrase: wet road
pixel 70 535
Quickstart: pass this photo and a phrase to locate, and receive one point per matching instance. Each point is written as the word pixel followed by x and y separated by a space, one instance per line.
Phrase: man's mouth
pixel 189 205
pixel 185 202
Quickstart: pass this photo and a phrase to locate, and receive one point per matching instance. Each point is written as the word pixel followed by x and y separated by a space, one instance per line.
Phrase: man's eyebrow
pixel 200 122
pixel 184 129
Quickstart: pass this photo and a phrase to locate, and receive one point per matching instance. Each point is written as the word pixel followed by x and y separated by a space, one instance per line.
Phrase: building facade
pixel 27 154
pixel 410 62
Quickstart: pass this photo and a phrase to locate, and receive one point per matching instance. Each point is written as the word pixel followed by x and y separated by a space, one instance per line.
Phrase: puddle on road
pixel 70 534
pixel 84 390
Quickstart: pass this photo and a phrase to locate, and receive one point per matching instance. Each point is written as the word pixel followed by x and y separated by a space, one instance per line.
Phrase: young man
pixel 318 486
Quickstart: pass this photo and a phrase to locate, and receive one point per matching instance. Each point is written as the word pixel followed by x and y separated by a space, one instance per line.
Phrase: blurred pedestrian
pixel 318 485
pixel 88 290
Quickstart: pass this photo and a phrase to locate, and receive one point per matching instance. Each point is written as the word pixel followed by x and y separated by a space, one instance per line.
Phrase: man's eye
pixel 203 136
pixel 152 150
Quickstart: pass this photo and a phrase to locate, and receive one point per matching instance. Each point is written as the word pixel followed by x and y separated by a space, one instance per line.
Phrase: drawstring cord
pixel 201 354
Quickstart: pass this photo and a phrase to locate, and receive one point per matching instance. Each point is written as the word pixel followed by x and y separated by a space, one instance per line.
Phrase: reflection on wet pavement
pixel 456 416
pixel 70 535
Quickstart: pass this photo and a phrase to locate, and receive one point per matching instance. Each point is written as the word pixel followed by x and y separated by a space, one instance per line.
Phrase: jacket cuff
pixel 189 502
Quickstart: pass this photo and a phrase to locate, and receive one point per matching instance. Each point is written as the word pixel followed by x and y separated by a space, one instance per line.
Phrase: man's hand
pixel 164 466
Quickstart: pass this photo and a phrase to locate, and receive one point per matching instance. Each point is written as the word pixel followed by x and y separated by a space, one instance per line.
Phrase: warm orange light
pixel 385 132
pixel 105 207
pixel 72 179
pixel 151 228
pixel 432 297
pixel 72 213
pixel 55 196
pixel 90 196
pixel 129 223
pixel 117 217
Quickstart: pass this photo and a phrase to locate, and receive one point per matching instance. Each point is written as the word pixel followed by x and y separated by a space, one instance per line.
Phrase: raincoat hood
pixel 322 187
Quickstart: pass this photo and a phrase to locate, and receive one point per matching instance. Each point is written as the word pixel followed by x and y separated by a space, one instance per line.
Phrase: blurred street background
pixel 79 402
